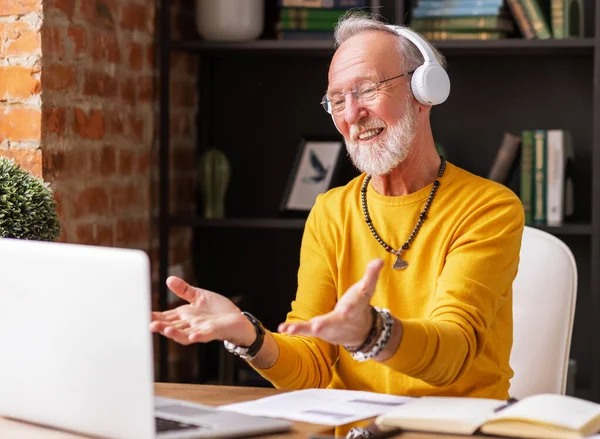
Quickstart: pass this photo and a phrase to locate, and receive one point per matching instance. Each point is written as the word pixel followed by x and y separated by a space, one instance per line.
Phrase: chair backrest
pixel 544 295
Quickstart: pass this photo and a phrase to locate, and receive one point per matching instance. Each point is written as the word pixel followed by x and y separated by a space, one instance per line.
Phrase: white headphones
pixel 430 83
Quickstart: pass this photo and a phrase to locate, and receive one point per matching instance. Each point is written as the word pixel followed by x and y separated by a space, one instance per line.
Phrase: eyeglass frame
pixel 325 102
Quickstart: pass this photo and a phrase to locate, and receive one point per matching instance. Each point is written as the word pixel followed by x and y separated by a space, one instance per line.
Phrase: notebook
pixel 77 350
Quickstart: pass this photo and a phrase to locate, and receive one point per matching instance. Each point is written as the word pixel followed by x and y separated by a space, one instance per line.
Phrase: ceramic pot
pixel 230 20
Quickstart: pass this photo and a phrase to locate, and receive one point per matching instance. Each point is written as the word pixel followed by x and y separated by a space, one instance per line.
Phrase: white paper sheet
pixel 320 406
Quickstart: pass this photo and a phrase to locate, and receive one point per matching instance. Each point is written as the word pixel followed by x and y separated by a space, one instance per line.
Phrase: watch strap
pixel 249 352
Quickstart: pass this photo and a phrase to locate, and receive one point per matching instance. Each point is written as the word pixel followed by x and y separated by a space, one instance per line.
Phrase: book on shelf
pixel 535 14
pixel 300 35
pixel 539 177
pixel 559 178
pixel 342 4
pixel 489 23
pixel 573 18
pixel 440 4
pixel 526 183
pixel 523 22
pixel 306 25
pixel 310 14
pixel 547 416
pixel 459 11
pixel 547 177
pixel 506 159
pixel 454 35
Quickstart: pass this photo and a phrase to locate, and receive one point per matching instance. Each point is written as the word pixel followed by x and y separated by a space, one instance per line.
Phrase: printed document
pixel 320 406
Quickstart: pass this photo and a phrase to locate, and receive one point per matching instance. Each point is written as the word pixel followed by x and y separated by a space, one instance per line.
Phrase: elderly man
pixel 432 312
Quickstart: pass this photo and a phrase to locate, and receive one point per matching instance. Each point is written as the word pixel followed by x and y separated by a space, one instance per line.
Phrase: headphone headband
pixel 416 39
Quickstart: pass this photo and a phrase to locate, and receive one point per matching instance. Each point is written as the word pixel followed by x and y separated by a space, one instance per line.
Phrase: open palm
pixel 207 316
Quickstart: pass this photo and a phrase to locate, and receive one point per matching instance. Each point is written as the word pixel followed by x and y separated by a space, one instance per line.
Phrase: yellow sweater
pixel 454 299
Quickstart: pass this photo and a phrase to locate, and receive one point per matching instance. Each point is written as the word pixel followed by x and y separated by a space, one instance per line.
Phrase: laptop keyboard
pixel 163 425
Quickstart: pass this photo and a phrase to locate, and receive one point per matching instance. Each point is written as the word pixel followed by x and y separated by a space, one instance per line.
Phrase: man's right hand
pixel 207 316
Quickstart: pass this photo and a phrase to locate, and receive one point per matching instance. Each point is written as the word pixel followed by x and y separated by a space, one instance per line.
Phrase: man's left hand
pixel 350 321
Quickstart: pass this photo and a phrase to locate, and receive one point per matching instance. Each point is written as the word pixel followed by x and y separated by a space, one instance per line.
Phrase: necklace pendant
pixel 400 263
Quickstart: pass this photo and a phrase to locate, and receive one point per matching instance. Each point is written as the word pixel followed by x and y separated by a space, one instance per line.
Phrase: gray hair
pixel 355 22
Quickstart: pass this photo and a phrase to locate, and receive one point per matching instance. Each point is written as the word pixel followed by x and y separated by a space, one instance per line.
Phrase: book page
pixel 559 410
pixel 441 414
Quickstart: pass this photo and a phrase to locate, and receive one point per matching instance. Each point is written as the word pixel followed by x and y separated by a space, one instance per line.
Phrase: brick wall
pixel 78 106
pixel 20 89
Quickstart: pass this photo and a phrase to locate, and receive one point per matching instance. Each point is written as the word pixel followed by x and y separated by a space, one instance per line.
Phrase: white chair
pixel 544 295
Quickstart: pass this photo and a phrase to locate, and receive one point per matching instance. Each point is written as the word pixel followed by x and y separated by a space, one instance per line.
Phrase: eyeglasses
pixel 365 92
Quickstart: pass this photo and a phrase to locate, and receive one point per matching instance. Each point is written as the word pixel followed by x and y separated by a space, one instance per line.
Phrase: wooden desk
pixel 210 395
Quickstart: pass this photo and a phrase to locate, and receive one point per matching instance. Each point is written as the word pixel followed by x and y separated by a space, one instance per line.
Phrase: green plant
pixel 27 206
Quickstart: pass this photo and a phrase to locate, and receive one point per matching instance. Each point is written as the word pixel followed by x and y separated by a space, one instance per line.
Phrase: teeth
pixel 370 134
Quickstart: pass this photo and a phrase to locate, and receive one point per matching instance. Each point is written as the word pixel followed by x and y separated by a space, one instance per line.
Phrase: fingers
pixel 360 294
pixel 370 278
pixel 181 288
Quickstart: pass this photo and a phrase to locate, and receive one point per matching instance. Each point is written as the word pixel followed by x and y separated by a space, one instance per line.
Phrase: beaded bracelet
pixel 382 340
pixel 370 337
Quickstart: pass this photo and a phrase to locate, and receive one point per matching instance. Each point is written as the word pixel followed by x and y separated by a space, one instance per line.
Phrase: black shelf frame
pixel 586 47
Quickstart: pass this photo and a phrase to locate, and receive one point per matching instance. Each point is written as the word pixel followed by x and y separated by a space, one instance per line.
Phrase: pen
pixel 378 435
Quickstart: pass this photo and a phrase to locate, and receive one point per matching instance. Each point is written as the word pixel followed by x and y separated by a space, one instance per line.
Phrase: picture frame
pixel 313 173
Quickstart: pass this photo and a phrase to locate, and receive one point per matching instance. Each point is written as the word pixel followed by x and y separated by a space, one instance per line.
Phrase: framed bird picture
pixel 312 174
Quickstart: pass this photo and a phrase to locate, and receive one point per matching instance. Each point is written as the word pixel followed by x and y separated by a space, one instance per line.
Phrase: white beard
pixel 389 151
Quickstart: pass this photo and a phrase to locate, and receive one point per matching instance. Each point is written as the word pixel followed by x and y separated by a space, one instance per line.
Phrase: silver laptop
pixel 76 351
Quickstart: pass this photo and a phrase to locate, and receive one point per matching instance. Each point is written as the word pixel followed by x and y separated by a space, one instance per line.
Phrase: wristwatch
pixel 248 353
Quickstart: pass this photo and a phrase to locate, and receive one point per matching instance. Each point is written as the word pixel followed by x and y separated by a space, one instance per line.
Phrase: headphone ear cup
pixel 430 84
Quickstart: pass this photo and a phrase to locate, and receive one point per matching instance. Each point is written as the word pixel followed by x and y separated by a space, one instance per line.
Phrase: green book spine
pixel 540 176
pixel 526 189
pixel 306 25
pixel 536 17
pixel 307 14
pixel 525 26
pixel 489 23
pixel 558 19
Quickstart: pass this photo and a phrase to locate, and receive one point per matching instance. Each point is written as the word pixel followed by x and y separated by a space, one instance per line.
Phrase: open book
pixel 543 416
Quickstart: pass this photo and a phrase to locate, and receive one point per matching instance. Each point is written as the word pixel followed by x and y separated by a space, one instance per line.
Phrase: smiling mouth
pixel 368 135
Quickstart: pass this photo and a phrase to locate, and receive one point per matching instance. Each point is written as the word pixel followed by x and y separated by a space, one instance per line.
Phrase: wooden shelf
pixel 569 229
pixel 241 223
pixel 508 46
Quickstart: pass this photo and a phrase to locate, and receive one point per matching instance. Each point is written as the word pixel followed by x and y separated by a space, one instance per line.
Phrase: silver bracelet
pixel 382 340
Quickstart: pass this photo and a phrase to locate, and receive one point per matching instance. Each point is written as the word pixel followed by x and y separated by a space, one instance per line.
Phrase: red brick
pixel 54 120
pixel 84 234
pixel 131 232
pixel 136 128
pixel 99 12
pixel 143 163
pixel 145 89
pixel 136 56
pixel 53 163
pixel 134 16
pixel 19 124
pixel 107 163
pixel 19 38
pixel 99 84
pixel 19 7
pixel 126 198
pixel 65 6
pixel 18 82
pixel 104 235
pixel 91 201
pixel 29 159
pixel 115 123
pixel 128 91
pixel 53 42
pixel 78 36
pixel 58 77
pixel 89 125
pixel 151 54
pixel 126 162
pixel 105 47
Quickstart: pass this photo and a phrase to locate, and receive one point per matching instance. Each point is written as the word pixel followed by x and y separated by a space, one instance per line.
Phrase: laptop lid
pixel 76 348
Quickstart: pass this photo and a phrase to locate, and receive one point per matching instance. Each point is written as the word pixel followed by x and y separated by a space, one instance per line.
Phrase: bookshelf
pixel 268 92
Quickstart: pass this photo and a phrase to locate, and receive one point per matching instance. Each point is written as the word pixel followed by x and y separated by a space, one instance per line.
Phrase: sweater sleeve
pixel 476 280
pixel 306 362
